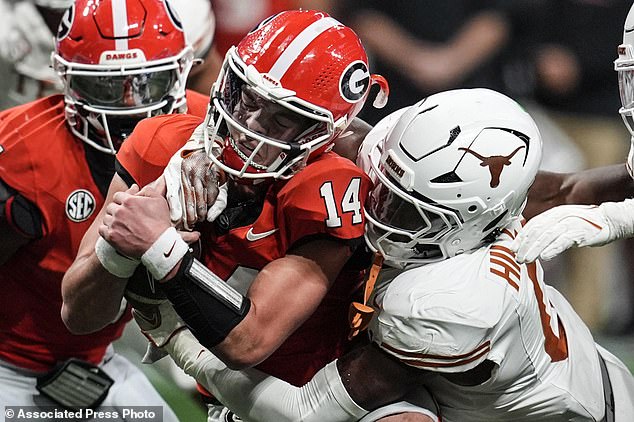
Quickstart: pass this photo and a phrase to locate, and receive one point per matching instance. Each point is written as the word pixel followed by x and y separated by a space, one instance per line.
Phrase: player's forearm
pixel 256 396
pixel 587 187
pixel 301 285
pixel 598 185
pixel 547 191
pixel 245 330
pixel 91 296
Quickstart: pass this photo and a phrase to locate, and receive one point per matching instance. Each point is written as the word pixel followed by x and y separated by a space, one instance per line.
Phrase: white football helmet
pixel 199 24
pixel 450 173
pixel 624 65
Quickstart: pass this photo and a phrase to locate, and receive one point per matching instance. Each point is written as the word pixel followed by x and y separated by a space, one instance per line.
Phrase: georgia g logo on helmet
pixel 66 23
pixel 354 82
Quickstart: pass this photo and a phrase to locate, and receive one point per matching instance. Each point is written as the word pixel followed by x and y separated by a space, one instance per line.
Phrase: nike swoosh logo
pixel 252 237
pixel 168 253
pixel 148 322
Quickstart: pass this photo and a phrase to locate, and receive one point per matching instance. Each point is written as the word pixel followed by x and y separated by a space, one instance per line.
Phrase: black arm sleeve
pixel 123 173
pixel 209 306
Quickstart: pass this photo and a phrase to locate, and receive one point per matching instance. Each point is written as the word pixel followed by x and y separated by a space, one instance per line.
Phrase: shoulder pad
pixel 416 325
pixel 147 151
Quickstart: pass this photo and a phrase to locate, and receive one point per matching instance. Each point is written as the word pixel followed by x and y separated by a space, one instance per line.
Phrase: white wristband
pixel 116 264
pixel 164 253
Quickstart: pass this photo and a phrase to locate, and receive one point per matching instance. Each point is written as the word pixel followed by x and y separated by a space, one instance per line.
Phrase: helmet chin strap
pixel 213 143
pixel 286 159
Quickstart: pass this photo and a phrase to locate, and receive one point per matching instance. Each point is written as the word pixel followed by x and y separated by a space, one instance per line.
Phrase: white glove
pixel 193 191
pixel 158 323
pixel 256 396
pixel 556 230
pixel 153 353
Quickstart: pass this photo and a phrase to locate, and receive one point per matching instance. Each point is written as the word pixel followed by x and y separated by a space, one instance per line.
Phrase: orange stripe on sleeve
pixel 438 361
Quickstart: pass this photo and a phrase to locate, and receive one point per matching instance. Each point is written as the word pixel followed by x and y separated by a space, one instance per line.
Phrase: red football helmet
pixel 120 61
pixel 304 70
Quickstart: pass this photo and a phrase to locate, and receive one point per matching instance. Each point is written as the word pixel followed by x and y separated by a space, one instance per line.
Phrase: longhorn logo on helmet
pixel 495 163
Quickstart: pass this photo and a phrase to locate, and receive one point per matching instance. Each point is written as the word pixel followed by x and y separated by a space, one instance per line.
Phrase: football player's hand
pixel 200 192
pixel 135 219
pixel 552 232
pixel 133 222
pixel 195 187
pixel 142 293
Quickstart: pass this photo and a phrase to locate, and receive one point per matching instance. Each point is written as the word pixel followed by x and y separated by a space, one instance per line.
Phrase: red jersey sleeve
pixel 327 197
pixel 147 151
pixel 196 103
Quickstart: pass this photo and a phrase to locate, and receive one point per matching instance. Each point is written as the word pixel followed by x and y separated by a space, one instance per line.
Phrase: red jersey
pixel 46 164
pixel 324 199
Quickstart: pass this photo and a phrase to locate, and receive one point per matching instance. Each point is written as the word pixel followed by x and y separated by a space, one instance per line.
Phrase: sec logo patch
pixel 80 205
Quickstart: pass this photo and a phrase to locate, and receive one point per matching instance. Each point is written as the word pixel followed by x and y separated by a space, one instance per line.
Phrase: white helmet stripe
pixel 120 22
pixel 298 45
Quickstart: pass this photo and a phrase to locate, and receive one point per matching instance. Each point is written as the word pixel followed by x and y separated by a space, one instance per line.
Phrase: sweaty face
pixel 254 114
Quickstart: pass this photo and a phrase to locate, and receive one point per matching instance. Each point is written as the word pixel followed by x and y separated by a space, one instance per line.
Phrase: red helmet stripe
pixel 295 48
pixel 120 22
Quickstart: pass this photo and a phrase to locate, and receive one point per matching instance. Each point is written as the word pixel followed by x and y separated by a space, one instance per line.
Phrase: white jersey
pixel 450 316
